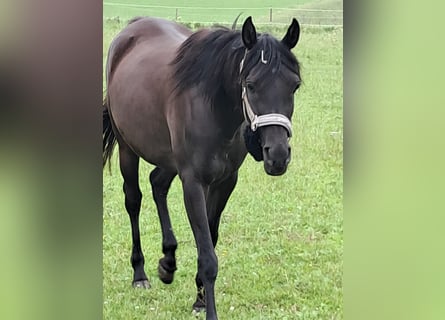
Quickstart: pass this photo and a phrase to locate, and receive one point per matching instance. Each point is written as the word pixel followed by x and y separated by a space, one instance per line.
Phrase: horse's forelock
pixel 273 54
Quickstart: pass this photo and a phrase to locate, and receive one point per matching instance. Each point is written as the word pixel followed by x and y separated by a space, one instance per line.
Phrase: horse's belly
pixel 148 138
pixel 137 101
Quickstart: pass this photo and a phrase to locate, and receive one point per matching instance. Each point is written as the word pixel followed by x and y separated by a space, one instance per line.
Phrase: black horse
pixel 193 105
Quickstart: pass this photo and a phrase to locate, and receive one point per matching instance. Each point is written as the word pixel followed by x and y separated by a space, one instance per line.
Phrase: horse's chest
pixel 218 165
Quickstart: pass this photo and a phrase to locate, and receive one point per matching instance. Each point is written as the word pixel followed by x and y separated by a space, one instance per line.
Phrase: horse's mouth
pixel 276 156
pixel 274 169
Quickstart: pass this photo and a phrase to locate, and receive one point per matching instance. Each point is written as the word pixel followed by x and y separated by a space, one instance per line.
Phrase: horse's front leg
pixel 195 205
pixel 217 197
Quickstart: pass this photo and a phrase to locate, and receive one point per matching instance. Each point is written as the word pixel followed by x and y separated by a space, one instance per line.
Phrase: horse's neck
pixel 228 110
pixel 227 102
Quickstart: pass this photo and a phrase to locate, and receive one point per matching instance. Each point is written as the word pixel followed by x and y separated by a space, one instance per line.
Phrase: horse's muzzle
pixel 276 159
pixel 269 143
pixel 276 149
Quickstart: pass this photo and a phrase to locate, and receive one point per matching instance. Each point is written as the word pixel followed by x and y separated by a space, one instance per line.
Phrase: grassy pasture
pixel 281 238
pixel 204 11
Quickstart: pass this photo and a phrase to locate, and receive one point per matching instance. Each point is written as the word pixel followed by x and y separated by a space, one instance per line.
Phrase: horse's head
pixel 270 76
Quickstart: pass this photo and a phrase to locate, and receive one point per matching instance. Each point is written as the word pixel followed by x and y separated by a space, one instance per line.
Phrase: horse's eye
pixel 250 87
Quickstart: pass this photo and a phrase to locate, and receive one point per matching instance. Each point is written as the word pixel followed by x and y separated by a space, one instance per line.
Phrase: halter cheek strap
pixel 263 120
pixel 269 119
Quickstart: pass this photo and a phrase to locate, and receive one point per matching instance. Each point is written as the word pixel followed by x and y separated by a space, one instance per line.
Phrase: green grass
pixel 281 238
pixel 203 11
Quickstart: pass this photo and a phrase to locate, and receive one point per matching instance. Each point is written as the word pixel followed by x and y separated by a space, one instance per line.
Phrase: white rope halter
pixel 263 120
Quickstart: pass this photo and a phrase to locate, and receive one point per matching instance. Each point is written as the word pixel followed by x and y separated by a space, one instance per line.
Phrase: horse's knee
pixel 208 267
pixel 133 206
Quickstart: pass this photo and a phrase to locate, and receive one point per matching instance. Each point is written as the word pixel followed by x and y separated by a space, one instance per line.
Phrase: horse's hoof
pixel 144 284
pixel 199 306
pixel 198 312
pixel 165 276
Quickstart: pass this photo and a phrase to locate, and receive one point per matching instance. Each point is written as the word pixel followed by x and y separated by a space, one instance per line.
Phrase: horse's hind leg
pixel 160 182
pixel 216 200
pixel 129 165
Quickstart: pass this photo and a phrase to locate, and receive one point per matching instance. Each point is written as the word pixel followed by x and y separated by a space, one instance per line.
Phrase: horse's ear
pixel 293 34
pixel 248 33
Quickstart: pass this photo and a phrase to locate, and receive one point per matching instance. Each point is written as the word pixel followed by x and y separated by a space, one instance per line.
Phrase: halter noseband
pixel 263 120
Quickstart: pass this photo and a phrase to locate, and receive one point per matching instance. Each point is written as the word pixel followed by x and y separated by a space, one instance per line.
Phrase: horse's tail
pixel 108 136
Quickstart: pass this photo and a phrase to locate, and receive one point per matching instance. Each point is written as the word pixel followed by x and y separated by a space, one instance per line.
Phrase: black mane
pixel 205 57
pixel 208 57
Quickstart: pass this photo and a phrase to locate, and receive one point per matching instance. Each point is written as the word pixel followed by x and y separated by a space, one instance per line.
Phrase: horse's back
pixel 142 34
pixel 139 84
